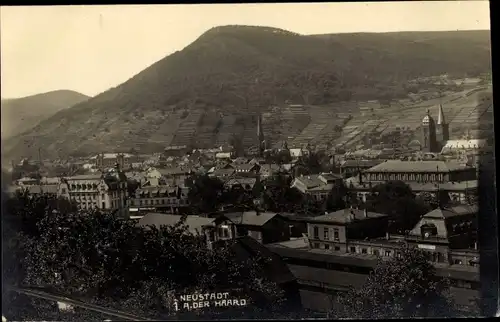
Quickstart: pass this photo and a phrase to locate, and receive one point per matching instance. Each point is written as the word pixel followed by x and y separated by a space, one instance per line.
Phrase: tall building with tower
pixel 434 135
pixel 428 140
pixel 442 129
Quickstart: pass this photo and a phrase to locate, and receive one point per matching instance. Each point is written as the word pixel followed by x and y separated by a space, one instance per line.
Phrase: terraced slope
pixel 243 69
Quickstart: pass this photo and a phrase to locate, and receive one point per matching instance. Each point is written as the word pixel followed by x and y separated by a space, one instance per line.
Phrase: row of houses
pixel 157 187
pixel 447 234
pixel 330 253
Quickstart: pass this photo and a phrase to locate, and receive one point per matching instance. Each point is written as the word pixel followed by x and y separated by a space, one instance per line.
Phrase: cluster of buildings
pixel 326 253
pixel 329 253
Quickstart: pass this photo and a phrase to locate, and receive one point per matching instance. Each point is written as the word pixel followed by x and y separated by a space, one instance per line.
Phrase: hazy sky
pixel 92 48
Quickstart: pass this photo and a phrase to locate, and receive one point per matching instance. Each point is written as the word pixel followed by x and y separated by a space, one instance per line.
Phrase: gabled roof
pixel 242 181
pixel 172 171
pixel 330 176
pixel 240 160
pixel 344 216
pixel 96 176
pixel 250 218
pixel 271 167
pixel 417 166
pixel 360 163
pixel 445 213
pixel 314 182
pixel 244 167
pixel 310 181
pixel 162 189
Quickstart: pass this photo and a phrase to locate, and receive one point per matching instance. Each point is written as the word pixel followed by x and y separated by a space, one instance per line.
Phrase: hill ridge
pixel 241 71
pixel 23 113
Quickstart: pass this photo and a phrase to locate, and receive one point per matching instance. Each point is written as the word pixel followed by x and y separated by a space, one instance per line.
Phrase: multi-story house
pixel 448 232
pixel 110 160
pixel 106 191
pixel 246 169
pixel 457 179
pixel 334 230
pixel 342 248
pixel 223 173
pixel 174 175
pixel 264 227
pixel 240 184
pixel 349 168
pixel 270 169
pixel 38 190
pixel 171 199
pixel 317 185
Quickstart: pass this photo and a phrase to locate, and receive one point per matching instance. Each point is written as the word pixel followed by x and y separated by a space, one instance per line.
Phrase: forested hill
pixel 240 69
pixel 22 114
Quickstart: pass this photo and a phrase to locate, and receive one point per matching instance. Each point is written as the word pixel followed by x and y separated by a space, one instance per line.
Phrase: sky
pixel 90 49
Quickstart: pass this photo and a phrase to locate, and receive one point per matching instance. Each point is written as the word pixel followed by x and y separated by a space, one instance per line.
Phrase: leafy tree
pixel 205 193
pixel 396 199
pixel 278 196
pixel 336 198
pixel 308 206
pixel 132 186
pixel 404 286
pixel 310 163
pixel 108 261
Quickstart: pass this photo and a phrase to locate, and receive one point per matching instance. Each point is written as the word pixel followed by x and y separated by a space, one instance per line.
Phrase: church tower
pixel 428 140
pixel 442 128
pixel 260 136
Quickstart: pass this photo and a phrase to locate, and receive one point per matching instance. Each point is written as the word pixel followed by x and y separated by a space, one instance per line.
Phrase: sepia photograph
pixel 282 161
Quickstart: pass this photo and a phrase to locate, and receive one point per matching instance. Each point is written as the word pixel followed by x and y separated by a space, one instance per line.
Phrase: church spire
pixel 260 135
pixel 441 119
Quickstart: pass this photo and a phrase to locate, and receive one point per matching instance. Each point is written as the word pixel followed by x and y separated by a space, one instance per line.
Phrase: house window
pixel 376 252
pixel 352 249
pixel 398 255
pixel 457 262
pixel 387 253
pixel 140 202
pixel 103 205
pixel 63 190
pixel 157 201
pixel 327 246
pixel 316 233
pixel 364 251
pixel 316 245
pixel 325 234
pixel 337 248
pixel 335 234
pixel 102 196
pixel 242 231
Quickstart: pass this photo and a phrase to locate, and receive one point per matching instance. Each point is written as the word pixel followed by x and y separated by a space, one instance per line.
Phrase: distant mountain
pixel 22 114
pixel 209 92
